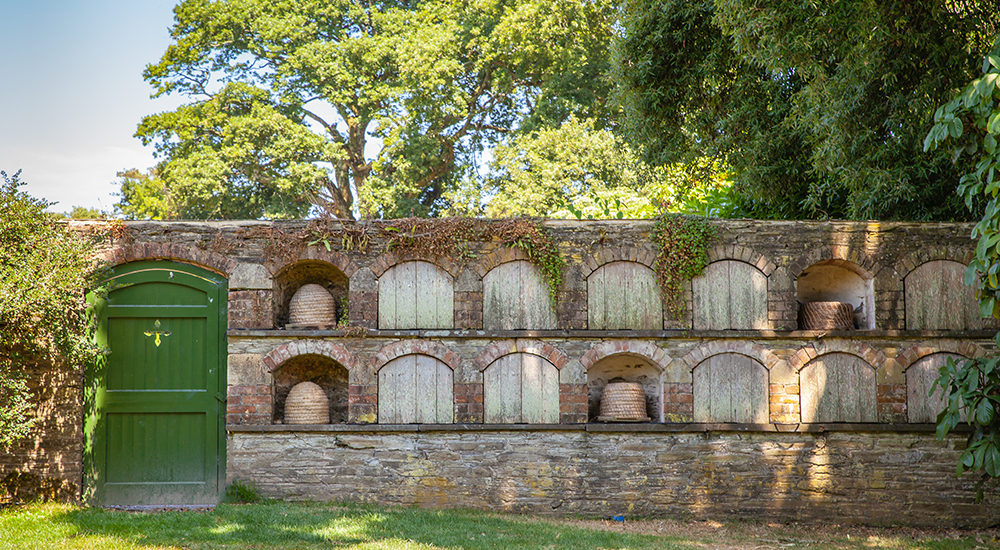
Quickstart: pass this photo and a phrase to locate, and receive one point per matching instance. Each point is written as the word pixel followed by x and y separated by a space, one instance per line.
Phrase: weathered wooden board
pixel 921 406
pixel 415 295
pixel 730 295
pixel 515 297
pixel 416 389
pixel 624 295
pixel 838 387
pixel 937 298
pixel 521 388
pixel 730 388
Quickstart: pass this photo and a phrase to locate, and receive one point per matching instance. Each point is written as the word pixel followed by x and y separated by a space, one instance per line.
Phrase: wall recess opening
pixel 839 281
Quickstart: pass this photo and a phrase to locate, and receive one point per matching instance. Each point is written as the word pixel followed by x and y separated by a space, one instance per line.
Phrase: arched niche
pixel 631 368
pixel 838 387
pixel 729 295
pixel 416 389
pixel 730 387
pixel 624 295
pixel 521 388
pixel 937 298
pixel 319 369
pixel 921 406
pixel 416 295
pixel 839 281
pixel 294 276
pixel 515 296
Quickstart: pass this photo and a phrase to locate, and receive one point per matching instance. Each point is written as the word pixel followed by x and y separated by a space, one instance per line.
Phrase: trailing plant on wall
pixel 970 123
pixel 683 244
pixel 43 271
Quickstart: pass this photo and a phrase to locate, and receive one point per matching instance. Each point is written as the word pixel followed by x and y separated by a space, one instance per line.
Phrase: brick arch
pixel 909 356
pixel 642 348
pixel 213 261
pixel 875 358
pixel 390 259
pixel 315 253
pixel 415 347
pixel 500 256
pixel 852 259
pixel 279 355
pixel 758 353
pixel 497 350
pixel 916 258
pixel 742 254
pixel 642 255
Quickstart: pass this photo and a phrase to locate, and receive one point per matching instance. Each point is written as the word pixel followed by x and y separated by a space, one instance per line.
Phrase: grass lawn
pixel 286 525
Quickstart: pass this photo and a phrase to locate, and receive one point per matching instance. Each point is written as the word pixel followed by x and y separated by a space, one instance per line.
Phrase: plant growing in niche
pixel 683 243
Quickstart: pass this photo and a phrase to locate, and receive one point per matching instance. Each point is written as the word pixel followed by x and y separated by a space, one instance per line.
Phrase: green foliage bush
pixel 43 272
pixel 970 125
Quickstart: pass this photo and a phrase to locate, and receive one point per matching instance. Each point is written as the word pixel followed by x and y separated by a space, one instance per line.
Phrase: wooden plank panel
pixel 865 383
pixel 540 313
pixel 842 388
pixel 596 301
pixel 702 388
pixel 426 404
pixel 952 308
pixel 742 380
pixel 759 395
pixel 811 387
pixel 722 391
pixel 550 393
pixel 495 307
pixel 445 382
pixel 511 386
pixel 701 299
pixel 407 297
pixel 920 290
pixel 493 394
pixel 758 299
pixel 617 276
pixel 387 300
pixel 427 295
pixel 971 318
pixel 720 310
pixel 531 388
pixel 650 298
pixel 630 296
pixel 920 377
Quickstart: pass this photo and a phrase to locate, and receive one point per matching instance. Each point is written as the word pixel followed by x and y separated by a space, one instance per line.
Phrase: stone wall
pixel 835 477
pixel 784 468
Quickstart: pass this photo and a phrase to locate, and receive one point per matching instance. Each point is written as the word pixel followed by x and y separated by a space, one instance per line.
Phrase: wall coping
pixel 688 427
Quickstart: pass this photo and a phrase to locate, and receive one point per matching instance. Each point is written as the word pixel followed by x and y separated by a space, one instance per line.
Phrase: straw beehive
pixel 312 305
pixel 307 404
pixel 623 401
pixel 826 316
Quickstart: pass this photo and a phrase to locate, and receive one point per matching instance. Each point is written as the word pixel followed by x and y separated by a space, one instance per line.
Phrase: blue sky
pixel 72 93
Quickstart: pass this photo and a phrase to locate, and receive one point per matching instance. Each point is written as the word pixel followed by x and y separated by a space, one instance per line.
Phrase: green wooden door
pixel 156 404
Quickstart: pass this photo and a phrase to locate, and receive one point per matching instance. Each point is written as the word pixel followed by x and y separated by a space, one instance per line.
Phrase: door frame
pixel 95 384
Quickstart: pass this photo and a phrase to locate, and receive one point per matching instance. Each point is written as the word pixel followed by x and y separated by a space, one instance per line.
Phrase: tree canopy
pixel 287 96
pixel 820 110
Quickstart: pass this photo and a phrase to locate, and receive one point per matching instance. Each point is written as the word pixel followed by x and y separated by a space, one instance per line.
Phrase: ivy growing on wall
pixel 683 243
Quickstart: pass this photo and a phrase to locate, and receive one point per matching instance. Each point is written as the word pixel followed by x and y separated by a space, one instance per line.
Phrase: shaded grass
pixel 283 525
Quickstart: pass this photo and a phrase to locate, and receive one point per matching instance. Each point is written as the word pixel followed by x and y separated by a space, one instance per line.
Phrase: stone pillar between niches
pixel 251 298
pixel 783 394
pixel 468 300
pixel 249 399
pixel 469 403
pixel 363 299
pixel 782 309
pixel 890 392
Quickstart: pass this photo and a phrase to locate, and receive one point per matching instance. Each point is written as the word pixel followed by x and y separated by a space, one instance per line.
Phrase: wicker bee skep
pixel 312 305
pixel 623 401
pixel 307 404
pixel 826 316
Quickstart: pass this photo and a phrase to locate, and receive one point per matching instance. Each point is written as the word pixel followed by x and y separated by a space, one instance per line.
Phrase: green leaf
pixel 984 412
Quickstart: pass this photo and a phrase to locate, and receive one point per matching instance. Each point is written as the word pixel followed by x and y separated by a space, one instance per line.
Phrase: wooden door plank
pixel 494 299
pixel 650 298
pixel 596 300
pixel 493 394
pixel 445 382
pixel 722 404
pixel 952 292
pixel 701 299
pixel 867 405
pixel 531 388
pixel 510 366
pixel 426 404
pixel 720 309
pixel 406 296
pixel 812 385
pixel 917 290
pixel 537 305
pixel 702 389
pixel 758 299
pixel 630 296
pixel 387 293
pixel 617 276
pixel 550 393
pixel 742 381
pixel 760 395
